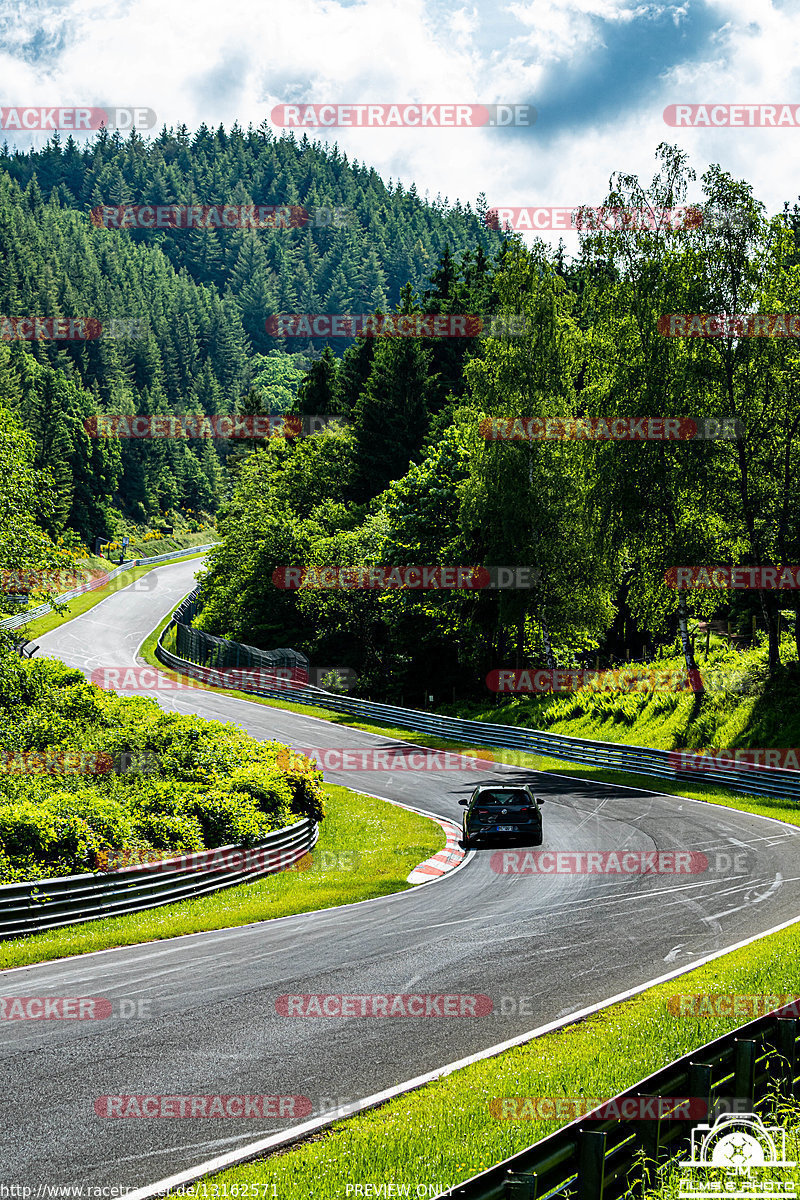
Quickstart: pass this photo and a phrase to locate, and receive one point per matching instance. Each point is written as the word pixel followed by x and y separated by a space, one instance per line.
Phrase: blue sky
pixel 599 73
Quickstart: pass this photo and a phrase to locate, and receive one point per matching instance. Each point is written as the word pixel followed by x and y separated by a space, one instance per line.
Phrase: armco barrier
pixel 31 614
pixel 639 760
pixel 51 903
pixel 601 1159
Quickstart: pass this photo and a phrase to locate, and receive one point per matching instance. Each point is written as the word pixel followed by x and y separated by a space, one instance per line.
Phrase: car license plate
pixel 506 829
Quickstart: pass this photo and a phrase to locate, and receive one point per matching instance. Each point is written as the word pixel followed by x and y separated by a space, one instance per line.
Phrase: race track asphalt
pixel 540 946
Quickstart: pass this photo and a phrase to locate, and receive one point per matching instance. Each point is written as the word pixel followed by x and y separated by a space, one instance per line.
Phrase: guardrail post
pixel 700 1084
pixel 744 1070
pixel 786 1046
pixel 591 1164
pixel 520 1187
pixel 648 1136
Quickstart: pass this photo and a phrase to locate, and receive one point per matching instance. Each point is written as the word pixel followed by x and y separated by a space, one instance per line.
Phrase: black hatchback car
pixel 498 813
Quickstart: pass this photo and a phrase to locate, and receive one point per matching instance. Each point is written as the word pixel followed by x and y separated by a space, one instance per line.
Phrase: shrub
pixel 46 836
pixel 212 784
pixel 228 817
pixel 180 831
pixel 305 785
pixel 267 788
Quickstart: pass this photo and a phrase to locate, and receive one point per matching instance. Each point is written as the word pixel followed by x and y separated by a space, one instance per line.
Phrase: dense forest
pixel 411 478
pixel 203 296
pixel 403 472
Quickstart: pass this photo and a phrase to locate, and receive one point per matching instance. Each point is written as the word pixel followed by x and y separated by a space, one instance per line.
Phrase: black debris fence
pixel 219 654
pixel 602 1158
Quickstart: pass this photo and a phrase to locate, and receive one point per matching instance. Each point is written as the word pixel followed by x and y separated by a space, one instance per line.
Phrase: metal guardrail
pixel 19 619
pixel 639 760
pixel 187 550
pixel 69 899
pixel 601 1158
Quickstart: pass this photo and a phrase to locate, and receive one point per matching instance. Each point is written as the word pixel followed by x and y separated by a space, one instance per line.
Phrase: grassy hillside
pixel 742 707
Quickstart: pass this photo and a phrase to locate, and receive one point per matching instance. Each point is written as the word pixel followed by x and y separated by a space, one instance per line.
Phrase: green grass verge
pixel 743 706
pixel 444 1132
pixel 366 848
pixel 88 600
pixel 174 541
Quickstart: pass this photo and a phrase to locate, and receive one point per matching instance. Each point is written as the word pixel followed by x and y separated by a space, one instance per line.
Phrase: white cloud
pixel 194 62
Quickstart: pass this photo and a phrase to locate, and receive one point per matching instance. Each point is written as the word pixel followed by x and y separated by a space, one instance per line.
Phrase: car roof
pixel 487 789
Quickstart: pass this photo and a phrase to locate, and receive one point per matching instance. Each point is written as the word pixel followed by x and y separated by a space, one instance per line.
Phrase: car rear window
pixel 490 799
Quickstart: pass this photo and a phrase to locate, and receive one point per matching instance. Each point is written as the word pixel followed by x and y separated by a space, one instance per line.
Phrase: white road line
pixel 226 934
pixel 254 1149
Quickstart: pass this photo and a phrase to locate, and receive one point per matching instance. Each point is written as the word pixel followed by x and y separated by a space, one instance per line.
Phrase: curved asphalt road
pixel 540 947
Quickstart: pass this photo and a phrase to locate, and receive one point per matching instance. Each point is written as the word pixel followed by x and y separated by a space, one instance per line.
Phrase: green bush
pixel 46 837
pixel 228 817
pixel 267 788
pixel 305 786
pixel 206 784
pixel 110 821
pixel 165 831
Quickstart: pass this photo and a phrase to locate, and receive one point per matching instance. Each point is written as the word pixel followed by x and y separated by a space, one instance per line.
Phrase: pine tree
pixel 390 417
